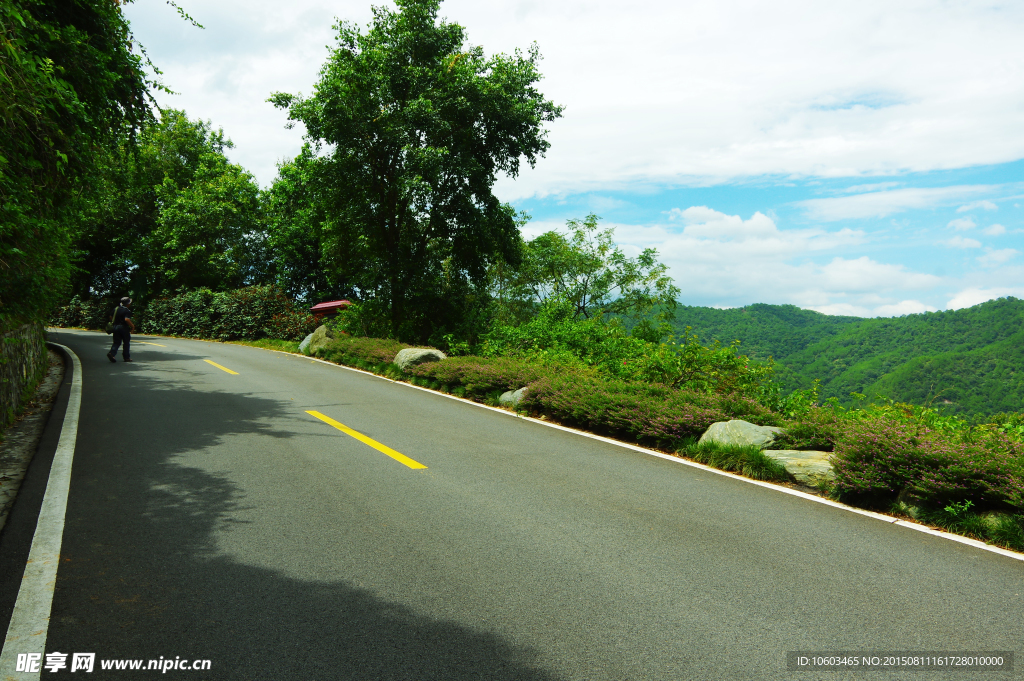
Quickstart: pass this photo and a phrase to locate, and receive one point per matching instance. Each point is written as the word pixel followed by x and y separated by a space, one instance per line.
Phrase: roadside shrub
pixel 818 428
pixel 243 314
pixel 483 375
pixel 647 412
pixel 87 313
pixel 607 346
pixel 353 350
pixel 248 313
pixel 882 458
pixel 745 460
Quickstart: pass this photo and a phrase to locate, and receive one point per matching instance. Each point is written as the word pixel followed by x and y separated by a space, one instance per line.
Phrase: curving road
pixel 211 516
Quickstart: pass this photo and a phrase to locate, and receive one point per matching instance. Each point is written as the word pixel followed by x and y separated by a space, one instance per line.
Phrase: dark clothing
pixel 120 314
pixel 122 332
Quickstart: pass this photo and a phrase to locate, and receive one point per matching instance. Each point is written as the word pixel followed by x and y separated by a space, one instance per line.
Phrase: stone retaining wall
pixel 22 364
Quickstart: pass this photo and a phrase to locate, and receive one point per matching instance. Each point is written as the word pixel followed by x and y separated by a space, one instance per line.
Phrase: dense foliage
pixel 249 313
pixel 172 213
pixel 416 125
pixel 70 86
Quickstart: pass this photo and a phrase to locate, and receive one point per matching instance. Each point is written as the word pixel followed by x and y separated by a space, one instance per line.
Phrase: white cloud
pixel 961 242
pixel 975 296
pixel 962 224
pixel 843 310
pixel 901 308
pixel 876 187
pixel 995 230
pixel 985 205
pixel 702 91
pixel 994 257
pixel 883 203
pixel 864 275
pixel 726 260
pixel 702 221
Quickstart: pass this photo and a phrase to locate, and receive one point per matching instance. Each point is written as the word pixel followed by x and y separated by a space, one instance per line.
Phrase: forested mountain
pixel 764 330
pixel 970 360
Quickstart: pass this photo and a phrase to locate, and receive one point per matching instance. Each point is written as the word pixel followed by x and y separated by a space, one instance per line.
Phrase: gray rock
pixel 304 345
pixel 413 356
pixel 321 337
pixel 808 467
pixel 738 432
pixel 512 398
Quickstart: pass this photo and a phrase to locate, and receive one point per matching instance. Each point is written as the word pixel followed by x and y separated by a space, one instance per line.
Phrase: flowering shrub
pixel 648 412
pixel 881 456
pixel 482 375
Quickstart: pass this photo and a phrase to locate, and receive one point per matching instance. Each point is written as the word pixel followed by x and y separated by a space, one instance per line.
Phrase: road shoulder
pixel 21 440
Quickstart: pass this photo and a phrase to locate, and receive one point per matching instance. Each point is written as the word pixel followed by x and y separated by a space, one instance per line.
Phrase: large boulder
pixel 412 356
pixel 304 345
pixel 808 467
pixel 321 337
pixel 738 432
pixel 512 398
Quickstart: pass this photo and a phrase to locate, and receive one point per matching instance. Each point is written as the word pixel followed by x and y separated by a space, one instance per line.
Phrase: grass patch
pixel 745 460
pixel 270 344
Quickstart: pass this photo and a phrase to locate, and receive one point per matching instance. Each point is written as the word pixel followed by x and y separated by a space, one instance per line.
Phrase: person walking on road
pixel 123 327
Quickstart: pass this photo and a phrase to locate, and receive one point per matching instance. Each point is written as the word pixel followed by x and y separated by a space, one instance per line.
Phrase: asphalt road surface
pixel 212 517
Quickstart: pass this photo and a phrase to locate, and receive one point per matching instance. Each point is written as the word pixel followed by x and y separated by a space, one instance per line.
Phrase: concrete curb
pixel 30 619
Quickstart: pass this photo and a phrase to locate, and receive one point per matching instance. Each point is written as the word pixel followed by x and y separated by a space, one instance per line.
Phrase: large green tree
pixel 307 260
pixel 415 126
pixel 171 212
pixel 71 85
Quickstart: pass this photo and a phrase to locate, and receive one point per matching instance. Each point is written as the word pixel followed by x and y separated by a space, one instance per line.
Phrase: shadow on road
pixel 141 576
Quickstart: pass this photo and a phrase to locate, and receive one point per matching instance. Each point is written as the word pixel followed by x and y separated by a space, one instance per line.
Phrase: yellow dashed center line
pixel 148 343
pixel 401 458
pixel 220 367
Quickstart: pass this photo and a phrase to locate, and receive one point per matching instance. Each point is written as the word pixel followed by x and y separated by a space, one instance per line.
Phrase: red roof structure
pixel 329 307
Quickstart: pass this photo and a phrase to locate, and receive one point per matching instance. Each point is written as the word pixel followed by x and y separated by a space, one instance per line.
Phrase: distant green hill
pixel 970 360
pixel 764 330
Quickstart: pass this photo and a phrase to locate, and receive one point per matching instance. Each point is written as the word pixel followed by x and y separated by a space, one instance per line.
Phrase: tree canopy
pixel 415 126
pixel 70 85
pixel 171 213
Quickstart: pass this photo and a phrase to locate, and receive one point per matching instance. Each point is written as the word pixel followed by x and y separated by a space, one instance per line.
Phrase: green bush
pixel 248 313
pixel 243 314
pixel 87 313
pixel 553 335
pixel 817 428
pixel 647 412
pixel 480 376
pixel 883 457
pixel 371 352
pixel 745 460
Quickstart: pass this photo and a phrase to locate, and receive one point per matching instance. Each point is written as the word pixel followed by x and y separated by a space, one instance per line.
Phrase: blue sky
pixel 854 157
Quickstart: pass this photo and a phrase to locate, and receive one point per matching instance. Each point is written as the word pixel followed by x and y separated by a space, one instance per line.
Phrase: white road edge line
pixel 30 619
pixel 693 464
